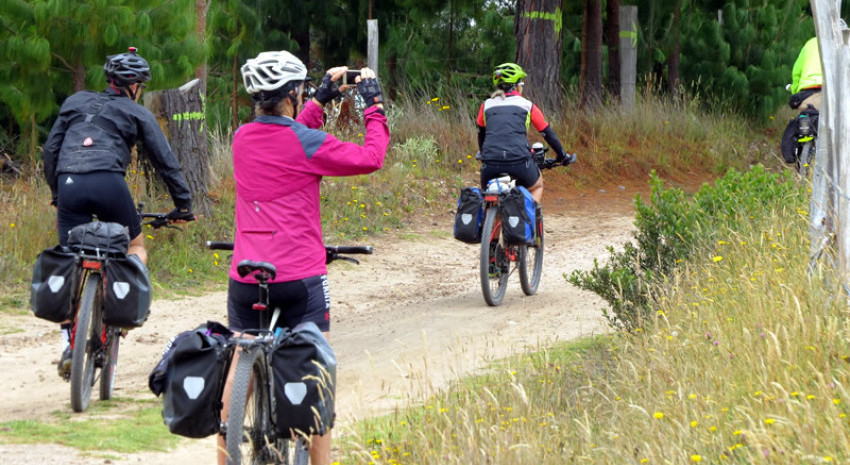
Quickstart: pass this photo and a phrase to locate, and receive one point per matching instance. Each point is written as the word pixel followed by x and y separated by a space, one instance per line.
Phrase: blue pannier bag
pixel 469 216
pixel 517 210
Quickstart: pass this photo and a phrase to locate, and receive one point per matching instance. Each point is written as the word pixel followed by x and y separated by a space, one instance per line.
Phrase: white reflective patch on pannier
pixel 513 221
pixel 121 289
pixel 194 386
pixel 295 392
pixel 466 218
pixel 55 283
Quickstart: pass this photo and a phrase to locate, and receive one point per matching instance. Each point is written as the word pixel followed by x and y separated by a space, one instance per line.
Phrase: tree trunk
pixel 538 38
pixel 673 63
pixel 181 110
pixel 201 7
pixel 590 91
pixel 612 35
pixel 78 77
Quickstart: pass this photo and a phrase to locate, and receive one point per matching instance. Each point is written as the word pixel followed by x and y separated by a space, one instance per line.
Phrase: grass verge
pixel 107 430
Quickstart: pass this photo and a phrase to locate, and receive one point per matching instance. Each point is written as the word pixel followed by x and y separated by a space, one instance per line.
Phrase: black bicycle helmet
pixel 128 68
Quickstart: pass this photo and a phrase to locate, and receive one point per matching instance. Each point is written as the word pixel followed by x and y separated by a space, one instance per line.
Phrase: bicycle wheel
pixel 248 424
pixel 807 155
pixel 109 357
pixel 87 332
pixel 495 265
pixel 531 263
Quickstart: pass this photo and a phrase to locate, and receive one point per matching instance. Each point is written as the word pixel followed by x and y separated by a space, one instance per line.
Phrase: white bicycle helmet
pixel 272 70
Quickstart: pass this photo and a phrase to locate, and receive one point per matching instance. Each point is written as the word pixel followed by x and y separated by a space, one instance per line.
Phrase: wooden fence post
pixel 628 55
pixel 372 44
pixel 830 192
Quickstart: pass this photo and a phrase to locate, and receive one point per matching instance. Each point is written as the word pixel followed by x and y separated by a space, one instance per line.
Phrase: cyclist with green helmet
pixel 503 122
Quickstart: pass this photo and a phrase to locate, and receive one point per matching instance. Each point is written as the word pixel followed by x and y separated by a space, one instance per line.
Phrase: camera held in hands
pixel 349 77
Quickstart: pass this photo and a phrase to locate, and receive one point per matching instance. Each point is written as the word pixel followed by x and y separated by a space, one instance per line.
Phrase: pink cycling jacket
pixel 278 163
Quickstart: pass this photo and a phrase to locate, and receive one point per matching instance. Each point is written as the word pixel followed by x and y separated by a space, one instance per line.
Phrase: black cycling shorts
pixel 525 172
pixel 302 300
pixel 102 194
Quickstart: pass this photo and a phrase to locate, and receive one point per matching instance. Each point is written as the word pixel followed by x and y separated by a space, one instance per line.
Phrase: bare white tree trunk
pixel 830 214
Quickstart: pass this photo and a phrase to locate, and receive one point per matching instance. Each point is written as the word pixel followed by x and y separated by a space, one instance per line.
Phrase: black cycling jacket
pixel 96 131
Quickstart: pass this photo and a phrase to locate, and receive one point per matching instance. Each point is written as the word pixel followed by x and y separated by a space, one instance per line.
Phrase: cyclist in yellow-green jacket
pixel 807 77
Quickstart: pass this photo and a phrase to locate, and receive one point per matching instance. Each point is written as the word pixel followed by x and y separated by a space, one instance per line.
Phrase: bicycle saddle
pixel 263 271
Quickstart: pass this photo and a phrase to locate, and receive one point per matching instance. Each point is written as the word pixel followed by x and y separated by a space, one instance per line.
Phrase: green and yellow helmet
pixel 507 73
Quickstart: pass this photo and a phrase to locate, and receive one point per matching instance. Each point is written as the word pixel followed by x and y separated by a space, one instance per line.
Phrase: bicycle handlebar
pixel 158 220
pixel 332 253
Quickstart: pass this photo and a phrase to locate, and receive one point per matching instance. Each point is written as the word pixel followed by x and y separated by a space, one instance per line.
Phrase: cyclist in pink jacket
pixel 279 160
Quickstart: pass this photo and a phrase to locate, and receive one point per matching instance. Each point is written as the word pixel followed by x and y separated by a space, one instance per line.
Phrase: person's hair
pixel 272 102
pixel 498 93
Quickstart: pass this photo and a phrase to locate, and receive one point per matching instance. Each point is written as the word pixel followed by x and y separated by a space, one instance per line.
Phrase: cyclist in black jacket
pixel 88 150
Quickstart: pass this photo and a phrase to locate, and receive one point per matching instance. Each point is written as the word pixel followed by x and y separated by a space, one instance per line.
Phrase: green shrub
pixel 671 228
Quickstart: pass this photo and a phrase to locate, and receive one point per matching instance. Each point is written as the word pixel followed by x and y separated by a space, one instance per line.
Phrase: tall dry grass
pixel 431 155
pixel 745 360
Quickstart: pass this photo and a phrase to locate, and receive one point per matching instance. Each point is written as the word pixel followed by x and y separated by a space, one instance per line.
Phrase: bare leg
pixel 137 247
pixel 537 190
pixel 320 446
pixel 221 448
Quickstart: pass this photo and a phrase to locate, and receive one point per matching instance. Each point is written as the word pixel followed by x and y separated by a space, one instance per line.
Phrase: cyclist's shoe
pixel 64 365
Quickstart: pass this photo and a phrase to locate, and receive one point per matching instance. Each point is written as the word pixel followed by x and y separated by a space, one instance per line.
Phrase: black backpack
pixel 303 381
pixel 54 280
pixel 191 375
pixel 469 216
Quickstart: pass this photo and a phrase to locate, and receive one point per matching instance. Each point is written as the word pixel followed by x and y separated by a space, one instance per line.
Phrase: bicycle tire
pixel 804 164
pixel 495 266
pixel 531 281
pixel 248 424
pixel 110 361
pixel 87 330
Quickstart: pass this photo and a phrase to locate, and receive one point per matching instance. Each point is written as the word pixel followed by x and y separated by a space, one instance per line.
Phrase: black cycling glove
pixel 327 91
pixel 370 90
pixel 181 213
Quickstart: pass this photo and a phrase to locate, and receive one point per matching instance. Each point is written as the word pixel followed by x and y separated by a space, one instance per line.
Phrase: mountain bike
pixel 499 260
pixel 249 434
pixel 94 344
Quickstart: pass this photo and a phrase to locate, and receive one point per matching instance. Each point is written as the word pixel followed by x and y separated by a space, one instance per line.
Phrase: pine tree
pixel 56 48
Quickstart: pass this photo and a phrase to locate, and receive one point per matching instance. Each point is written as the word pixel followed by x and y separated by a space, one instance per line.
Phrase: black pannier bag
pixel 127 300
pixel 191 376
pixel 790 145
pixel 54 281
pixel 518 212
pixel 469 216
pixel 100 237
pixel 303 381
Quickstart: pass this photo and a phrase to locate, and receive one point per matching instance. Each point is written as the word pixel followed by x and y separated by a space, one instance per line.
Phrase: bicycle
pixel 496 256
pixel 801 134
pixel 94 344
pixel 248 431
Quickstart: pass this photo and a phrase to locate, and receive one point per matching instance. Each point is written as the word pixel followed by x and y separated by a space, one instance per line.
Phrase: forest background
pixel 730 56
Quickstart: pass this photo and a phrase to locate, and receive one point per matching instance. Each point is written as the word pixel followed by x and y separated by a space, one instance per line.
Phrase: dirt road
pixel 405 321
